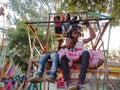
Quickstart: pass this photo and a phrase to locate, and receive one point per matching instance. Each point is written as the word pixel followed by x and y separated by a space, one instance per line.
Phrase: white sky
pixel 114 38
pixel 3 1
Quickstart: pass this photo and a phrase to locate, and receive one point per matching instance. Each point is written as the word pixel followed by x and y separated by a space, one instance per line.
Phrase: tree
pixel 33 10
pixel 39 9
pixel 109 7
pixel 114 55
pixel 19 44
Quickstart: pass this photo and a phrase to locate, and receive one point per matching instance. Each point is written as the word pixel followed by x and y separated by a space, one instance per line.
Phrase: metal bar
pixel 28 75
pixel 68 12
pixel 98 40
pixel 48 30
pixel 34 32
pixel 81 20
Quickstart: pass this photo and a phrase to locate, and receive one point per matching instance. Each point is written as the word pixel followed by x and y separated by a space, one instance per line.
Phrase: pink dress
pixel 96 57
pixel 74 54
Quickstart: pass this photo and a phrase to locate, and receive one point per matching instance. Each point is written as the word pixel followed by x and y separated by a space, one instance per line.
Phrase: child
pixel 83 56
pixel 58 24
pixel 55 63
pixel 65 26
pixel 70 43
pixel 74 23
pixel 74 54
pixel 39 74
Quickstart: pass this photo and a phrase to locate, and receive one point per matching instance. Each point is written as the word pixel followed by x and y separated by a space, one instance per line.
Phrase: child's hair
pixel 74 18
pixel 69 34
pixel 57 17
pixel 68 16
pixel 68 38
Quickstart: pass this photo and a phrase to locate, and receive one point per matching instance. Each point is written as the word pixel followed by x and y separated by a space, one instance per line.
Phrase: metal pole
pixel 81 20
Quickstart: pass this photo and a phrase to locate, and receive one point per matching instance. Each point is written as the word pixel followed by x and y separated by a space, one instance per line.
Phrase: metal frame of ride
pixel 97 44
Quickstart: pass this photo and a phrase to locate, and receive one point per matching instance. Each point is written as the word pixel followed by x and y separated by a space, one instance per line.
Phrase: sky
pixel 114 42
pixel 114 35
pixel 114 38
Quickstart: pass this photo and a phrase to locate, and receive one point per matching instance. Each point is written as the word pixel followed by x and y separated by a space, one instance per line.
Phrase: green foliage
pixel 110 7
pixel 39 9
pixel 114 55
pixel 33 10
pixel 19 44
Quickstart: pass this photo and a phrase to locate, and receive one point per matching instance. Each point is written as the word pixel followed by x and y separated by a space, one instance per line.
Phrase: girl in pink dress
pixel 68 49
pixel 75 53
pixel 78 53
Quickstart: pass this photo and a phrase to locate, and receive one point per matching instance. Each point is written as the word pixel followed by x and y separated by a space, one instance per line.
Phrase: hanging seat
pixel 74 66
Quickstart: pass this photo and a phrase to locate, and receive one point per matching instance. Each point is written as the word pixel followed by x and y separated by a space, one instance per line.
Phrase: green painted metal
pixel 99 15
pixel 32 86
pixel 40 88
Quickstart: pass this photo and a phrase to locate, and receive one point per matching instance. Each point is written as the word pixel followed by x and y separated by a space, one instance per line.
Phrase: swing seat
pixel 60 36
pixel 78 64
pixel 74 66
pixel 96 60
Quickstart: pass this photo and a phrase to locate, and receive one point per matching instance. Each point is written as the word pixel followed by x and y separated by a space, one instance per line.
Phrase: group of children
pixel 66 56
pixel 65 23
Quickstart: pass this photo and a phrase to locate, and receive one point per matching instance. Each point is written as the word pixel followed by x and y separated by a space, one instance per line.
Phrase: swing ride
pixel 52 38
pixel 46 40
